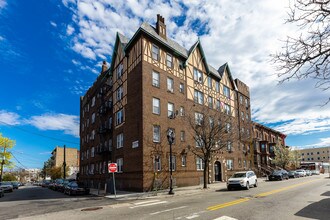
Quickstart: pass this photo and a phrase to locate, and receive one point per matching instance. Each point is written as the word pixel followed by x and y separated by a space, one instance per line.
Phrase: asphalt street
pixel 302 198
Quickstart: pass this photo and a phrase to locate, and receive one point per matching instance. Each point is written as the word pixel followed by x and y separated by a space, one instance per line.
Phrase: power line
pixel 37 134
pixel 19 161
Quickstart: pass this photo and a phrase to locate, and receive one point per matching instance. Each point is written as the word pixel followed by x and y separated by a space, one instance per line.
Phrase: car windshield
pixel 277 172
pixel 236 175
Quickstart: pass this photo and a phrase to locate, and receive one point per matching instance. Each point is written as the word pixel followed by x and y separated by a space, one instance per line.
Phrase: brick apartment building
pixel 264 142
pixel 151 84
pixel 72 158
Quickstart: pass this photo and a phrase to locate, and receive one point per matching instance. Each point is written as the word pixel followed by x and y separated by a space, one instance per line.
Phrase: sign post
pixel 112 167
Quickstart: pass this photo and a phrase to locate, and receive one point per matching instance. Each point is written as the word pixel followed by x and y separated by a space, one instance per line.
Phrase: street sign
pixel 112 167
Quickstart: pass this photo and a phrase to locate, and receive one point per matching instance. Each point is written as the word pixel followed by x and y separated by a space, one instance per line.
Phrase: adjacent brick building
pixel 150 86
pixel 72 158
pixel 265 140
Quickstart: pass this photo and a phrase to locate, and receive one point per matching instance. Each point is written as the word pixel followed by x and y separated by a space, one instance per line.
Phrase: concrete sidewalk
pixel 125 195
pixel 187 190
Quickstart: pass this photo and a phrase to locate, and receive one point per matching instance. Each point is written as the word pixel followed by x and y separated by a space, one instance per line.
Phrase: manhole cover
pixel 92 209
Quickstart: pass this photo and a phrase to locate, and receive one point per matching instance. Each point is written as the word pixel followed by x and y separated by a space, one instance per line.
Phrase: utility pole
pixel 64 164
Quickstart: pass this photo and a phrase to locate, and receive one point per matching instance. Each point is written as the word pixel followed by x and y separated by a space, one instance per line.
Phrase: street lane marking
pixel 147 203
pixel 238 201
pixel 225 218
pixel 223 205
pixel 168 210
pixel 282 189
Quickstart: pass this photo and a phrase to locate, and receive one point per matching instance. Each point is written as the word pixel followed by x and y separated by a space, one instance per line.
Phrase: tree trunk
pixel 205 172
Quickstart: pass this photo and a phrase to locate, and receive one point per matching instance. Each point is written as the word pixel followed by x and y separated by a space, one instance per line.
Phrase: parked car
pixel 293 174
pixel 62 186
pixel 2 193
pixel 243 179
pixel 75 188
pixel 58 183
pixel 15 184
pixel 6 186
pixel 278 175
pixel 45 183
pixel 308 173
pixel 315 172
pixel 302 173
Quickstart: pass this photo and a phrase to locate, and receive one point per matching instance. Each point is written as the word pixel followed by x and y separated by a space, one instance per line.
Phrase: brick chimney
pixel 104 66
pixel 160 26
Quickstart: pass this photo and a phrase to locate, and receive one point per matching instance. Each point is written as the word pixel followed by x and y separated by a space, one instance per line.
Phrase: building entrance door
pixel 217 171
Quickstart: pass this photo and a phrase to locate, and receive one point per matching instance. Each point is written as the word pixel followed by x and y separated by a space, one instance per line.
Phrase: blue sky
pixel 51 52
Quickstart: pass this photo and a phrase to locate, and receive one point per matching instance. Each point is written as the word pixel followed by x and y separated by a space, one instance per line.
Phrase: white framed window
pixel 199 117
pixel 93 101
pixel 120 163
pixel 199 141
pixel 210 102
pixel 157 163
pixel 181 88
pixel 226 91
pixel 217 86
pixel 155 52
pixel 246 103
pixel 241 99
pixel 91 171
pixel 120 140
pixel 217 105
pixel 227 109
pixel 198 76
pixel 120 117
pixel 120 71
pixel 181 111
pixel 228 127
pixel 242 116
pixel 209 82
pixel 93 118
pixel 92 137
pixel 182 136
pixel 155 79
pixel 156 133
pixel 173 163
pixel 120 93
pixel 169 60
pixel 198 97
pixel 170 110
pixel 184 160
pixel 199 163
pixel 93 152
pixel 155 106
pixel 229 146
pixel 170 84
pixel 230 164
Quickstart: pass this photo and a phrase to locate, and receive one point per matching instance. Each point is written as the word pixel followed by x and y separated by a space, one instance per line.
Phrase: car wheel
pixel 256 184
pixel 229 188
pixel 247 185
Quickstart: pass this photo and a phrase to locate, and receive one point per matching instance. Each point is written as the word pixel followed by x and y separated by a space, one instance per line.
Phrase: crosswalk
pixel 156 202
pixel 147 203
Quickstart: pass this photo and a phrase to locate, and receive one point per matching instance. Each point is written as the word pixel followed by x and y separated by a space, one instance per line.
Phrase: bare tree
pixel 212 132
pixel 307 56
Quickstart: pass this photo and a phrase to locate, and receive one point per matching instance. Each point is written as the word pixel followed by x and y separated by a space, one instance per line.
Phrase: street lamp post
pixel 171 138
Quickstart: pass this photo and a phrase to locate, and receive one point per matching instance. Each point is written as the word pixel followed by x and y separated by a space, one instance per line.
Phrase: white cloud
pixel 53 23
pixel 9 118
pixel 3 4
pixel 67 123
pixel 69 30
pixel 61 122
pixel 242 33
pixel 324 142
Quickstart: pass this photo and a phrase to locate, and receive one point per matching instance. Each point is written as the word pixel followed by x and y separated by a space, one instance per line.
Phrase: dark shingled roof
pixel 151 31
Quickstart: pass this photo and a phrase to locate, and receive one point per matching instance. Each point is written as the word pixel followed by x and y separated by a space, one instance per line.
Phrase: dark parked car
pixel 61 186
pixel 76 188
pixel 2 193
pixel 45 183
pixel 293 174
pixel 6 187
pixel 58 183
pixel 279 175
